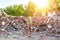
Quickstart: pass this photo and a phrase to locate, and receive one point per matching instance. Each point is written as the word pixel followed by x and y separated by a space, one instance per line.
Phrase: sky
pixel 5 3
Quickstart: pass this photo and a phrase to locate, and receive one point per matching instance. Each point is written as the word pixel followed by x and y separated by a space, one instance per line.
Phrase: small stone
pixel 3 23
pixel 49 26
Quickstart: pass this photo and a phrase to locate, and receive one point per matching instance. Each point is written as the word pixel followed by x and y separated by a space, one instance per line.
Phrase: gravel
pixel 18 36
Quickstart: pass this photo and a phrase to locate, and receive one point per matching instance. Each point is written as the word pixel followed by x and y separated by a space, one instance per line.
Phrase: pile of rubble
pixel 46 25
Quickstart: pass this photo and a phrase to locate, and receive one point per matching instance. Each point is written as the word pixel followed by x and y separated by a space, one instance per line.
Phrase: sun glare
pixel 42 3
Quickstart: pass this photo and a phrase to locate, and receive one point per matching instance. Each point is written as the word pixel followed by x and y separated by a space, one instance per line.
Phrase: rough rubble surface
pixel 17 35
pixel 16 28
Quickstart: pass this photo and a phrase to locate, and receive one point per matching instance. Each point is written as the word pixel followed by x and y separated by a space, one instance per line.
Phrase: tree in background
pixel 30 9
pixel 58 4
pixel 15 10
pixel 54 5
pixel 18 10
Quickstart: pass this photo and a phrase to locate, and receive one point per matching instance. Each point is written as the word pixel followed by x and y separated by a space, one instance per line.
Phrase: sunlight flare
pixel 41 3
